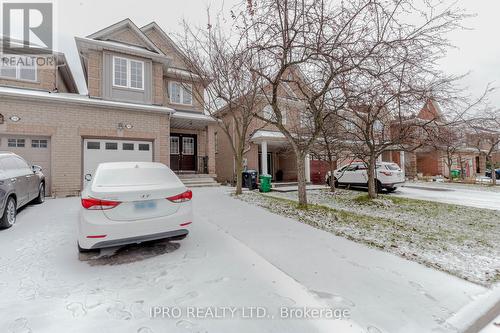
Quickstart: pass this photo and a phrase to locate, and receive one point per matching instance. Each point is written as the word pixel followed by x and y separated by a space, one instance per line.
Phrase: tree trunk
pixel 301 179
pixel 372 185
pixel 332 169
pixel 493 170
pixel 239 176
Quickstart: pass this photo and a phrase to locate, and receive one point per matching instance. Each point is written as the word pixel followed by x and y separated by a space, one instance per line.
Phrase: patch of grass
pixel 362 199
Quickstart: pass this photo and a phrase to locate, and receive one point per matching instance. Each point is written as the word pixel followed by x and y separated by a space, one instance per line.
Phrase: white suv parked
pixel 388 176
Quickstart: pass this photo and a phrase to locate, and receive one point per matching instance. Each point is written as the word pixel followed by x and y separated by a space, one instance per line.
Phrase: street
pixel 459 195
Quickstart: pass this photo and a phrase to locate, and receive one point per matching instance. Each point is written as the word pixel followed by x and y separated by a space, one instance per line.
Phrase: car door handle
pixel 13 180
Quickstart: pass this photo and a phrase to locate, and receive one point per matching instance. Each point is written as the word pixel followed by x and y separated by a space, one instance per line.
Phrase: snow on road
pixel 44 287
pixel 453 195
pixel 384 292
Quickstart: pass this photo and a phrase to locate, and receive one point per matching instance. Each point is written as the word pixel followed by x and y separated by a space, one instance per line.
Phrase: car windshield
pixel 133 177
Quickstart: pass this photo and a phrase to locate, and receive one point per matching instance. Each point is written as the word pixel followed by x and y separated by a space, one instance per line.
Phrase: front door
pixel 183 152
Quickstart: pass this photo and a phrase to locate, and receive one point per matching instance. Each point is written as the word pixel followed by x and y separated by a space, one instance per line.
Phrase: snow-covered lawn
pixel 45 286
pixel 456 239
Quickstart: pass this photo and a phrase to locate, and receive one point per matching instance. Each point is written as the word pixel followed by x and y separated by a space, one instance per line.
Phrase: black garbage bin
pixel 250 179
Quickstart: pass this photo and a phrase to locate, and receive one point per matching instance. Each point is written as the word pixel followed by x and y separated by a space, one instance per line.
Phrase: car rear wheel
pixel 41 194
pixel 390 189
pixel 9 214
pixel 379 186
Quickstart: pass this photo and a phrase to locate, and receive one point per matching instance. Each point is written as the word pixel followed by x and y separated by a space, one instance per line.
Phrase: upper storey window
pixel 181 93
pixel 18 68
pixel 128 73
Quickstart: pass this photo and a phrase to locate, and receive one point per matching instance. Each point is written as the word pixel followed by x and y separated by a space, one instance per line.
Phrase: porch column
pixel 402 162
pixel 308 168
pixel 263 157
pixel 379 158
pixel 210 150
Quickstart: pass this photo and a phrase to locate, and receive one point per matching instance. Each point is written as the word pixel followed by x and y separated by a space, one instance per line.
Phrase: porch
pixel 192 143
pixel 271 154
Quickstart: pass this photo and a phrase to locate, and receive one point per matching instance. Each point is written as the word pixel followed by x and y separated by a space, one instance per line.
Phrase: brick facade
pixel 68 124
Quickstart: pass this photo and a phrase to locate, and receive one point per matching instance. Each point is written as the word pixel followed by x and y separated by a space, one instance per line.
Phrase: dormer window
pixel 18 68
pixel 181 93
pixel 128 73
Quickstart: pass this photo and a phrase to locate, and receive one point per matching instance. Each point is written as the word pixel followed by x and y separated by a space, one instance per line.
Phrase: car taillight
pixel 387 173
pixel 184 196
pixel 97 204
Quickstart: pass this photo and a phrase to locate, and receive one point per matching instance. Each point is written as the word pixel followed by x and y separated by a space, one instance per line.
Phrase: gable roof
pixel 106 33
pixel 431 111
pixel 166 37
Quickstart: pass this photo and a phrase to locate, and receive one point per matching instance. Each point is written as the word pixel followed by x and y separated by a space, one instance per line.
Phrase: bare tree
pixel 383 61
pixel 485 136
pixel 448 139
pixel 302 44
pixel 223 63
pixel 332 144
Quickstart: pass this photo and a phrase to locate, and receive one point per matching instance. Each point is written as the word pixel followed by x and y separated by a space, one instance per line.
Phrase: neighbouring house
pixel 139 107
pixel 268 150
pixel 457 145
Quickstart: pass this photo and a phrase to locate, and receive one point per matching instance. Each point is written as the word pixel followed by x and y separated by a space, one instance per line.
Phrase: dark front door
pixel 183 152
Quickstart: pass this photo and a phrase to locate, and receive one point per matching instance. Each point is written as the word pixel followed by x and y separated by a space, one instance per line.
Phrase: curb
pixel 479 313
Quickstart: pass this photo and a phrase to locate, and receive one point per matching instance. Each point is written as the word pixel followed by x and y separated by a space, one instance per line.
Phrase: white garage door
pixel 97 151
pixel 34 149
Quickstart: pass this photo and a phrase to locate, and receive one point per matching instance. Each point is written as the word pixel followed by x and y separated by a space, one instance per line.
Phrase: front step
pixel 198 180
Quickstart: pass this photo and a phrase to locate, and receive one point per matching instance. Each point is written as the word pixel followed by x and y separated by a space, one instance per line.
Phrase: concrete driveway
pixel 472 196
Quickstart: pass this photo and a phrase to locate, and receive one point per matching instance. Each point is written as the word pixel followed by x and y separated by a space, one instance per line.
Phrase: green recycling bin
pixel 265 183
pixel 455 173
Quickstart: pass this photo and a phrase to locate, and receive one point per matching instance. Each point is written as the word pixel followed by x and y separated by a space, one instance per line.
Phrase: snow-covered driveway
pixel 474 197
pixel 44 287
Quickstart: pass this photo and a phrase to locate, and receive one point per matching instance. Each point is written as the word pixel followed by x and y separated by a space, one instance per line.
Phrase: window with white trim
pixel 306 120
pixel 19 143
pixel 187 146
pixel 42 143
pixel 378 126
pixel 181 93
pixel 268 114
pixel 128 73
pixel 18 68
pixel 174 145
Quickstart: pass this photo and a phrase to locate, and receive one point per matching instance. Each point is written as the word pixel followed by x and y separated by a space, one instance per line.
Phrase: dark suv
pixel 19 185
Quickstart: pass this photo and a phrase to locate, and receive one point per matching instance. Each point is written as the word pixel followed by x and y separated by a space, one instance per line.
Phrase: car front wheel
pixel 9 214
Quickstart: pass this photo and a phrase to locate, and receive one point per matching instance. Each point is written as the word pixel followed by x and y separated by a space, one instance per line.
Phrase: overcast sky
pixel 478 50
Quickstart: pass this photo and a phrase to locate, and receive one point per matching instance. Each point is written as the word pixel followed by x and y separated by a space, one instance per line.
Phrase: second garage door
pixel 97 151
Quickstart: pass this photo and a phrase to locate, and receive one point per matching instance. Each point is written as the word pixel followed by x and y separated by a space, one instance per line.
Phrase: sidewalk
pixel 385 293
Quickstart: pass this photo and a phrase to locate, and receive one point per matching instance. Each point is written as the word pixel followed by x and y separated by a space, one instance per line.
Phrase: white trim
pixel 181 92
pixel 103 33
pixel 129 73
pixel 79 99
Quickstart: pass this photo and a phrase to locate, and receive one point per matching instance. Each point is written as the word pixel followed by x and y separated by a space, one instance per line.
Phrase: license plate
pixel 145 205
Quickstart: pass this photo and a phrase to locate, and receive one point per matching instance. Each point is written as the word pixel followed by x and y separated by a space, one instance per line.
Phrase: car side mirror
pixel 88 177
pixel 36 168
